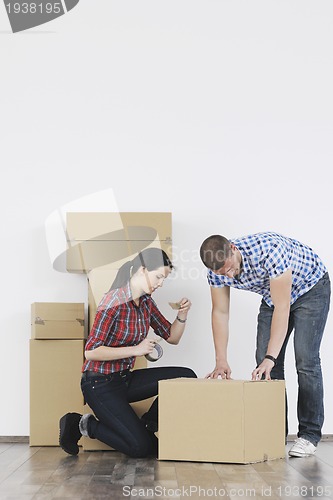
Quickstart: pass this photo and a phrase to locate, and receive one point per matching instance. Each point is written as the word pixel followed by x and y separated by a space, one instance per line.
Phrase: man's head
pixel 221 256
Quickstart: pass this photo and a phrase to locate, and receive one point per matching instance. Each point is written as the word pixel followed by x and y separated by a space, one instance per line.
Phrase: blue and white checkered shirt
pixel 268 255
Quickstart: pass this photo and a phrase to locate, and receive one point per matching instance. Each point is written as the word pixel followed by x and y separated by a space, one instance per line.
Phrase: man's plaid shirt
pixel 268 255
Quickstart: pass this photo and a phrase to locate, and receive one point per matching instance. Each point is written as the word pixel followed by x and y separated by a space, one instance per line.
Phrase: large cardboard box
pixel 55 373
pixel 98 239
pixel 57 320
pixel 231 421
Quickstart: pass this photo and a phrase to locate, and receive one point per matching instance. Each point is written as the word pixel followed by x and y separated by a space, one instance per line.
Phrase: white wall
pixel 217 110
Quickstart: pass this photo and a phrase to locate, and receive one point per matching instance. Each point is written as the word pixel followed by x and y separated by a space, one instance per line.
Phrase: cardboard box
pixel 99 226
pixel 57 320
pixel 55 373
pixel 97 239
pixel 231 421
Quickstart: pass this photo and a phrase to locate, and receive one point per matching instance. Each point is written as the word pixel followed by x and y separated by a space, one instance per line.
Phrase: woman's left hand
pixel 178 326
pixel 185 305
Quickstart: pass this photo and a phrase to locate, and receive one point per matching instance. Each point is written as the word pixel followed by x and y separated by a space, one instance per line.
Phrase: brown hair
pixel 214 251
pixel 150 258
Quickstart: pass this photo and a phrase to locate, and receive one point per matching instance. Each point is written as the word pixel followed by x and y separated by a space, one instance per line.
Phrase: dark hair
pixel 150 258
pixel 214 251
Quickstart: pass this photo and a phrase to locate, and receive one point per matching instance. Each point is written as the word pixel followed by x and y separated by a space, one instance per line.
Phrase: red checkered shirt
pixel 119 322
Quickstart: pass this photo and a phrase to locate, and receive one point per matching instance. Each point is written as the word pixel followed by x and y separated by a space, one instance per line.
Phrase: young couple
pixel 295 289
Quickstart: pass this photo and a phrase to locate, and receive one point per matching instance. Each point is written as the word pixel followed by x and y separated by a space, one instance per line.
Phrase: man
pixel 295 287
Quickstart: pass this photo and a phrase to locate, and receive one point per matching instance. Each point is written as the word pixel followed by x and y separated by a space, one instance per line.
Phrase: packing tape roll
pixel 159 351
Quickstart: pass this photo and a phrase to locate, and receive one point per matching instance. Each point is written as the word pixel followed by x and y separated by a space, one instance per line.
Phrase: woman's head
pixel 151 259
pixel 147 270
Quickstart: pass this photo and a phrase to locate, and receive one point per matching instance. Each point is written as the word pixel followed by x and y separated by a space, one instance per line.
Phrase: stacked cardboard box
pixel 98 244
pixel 57 320
pixel 56 357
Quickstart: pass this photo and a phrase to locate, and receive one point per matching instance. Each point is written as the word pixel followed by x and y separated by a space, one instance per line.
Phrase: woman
pixel 118 335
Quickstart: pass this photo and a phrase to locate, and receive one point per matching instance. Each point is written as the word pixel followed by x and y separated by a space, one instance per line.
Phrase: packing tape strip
pixel 159 351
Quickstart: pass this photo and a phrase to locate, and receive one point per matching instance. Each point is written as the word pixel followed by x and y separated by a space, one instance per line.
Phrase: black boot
pixel 70 433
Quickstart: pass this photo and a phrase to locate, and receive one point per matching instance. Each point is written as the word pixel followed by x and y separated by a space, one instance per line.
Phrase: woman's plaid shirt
pixel 119 322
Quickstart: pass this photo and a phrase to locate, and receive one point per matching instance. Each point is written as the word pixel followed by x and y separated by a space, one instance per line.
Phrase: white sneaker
pixel 302 448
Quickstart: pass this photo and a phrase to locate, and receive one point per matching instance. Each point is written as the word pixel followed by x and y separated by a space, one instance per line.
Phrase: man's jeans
pixel 307 318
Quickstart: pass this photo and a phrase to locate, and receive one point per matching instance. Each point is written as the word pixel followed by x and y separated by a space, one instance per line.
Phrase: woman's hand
pixel 178 326
pixel 145 347
pixel 185 305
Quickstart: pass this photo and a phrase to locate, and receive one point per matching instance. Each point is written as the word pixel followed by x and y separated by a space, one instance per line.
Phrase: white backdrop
pixel 219 111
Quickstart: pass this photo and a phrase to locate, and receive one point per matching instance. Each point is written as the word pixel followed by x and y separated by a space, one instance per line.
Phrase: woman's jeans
pixel 109 396
pixel 307 318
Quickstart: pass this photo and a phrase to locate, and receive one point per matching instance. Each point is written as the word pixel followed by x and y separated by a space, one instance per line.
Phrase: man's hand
pixel 221 370
pixel 220 324
pixel 280 289
pixel 265 369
